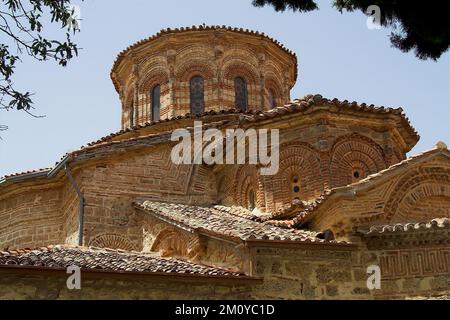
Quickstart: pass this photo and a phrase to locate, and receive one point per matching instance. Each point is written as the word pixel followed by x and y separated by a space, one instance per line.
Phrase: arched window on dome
pixel 240 94
pixel 197 96
pixel 272 99
pixel 156 102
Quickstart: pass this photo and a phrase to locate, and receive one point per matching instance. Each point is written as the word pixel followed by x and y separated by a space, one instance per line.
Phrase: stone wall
pixel 31 218
pixel 52 285
pixel 310 273
pixel 112 185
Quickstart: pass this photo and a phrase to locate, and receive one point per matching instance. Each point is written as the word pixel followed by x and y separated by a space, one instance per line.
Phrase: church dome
pixel 200 69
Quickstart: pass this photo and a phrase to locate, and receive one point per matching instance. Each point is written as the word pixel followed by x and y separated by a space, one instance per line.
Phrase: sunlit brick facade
pixel 345 196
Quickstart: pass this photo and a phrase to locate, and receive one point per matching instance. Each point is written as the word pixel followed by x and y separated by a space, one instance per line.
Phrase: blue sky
pixel 338 57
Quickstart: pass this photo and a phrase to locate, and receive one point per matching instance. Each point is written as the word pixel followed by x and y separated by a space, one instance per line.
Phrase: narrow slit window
pixel 197 95
pixel 251 202
pixel 272 99
pixel 156 102
pixel 241 95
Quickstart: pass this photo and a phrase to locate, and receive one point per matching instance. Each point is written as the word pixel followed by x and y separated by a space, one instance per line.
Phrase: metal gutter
pixel 24 176
pixel 81 205
pixel 59 166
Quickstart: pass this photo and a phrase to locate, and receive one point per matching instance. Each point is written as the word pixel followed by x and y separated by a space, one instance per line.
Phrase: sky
pixel 338 57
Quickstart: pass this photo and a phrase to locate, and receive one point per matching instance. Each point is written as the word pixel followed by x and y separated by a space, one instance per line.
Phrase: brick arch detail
pixel 172 242
pixel 295 159
pixel 413 189
pixel 112 241
pixel 354 152
pixel 195 67
pixel 246 177
pixel 159 76
pixel 240 68
pixel 272 83
pixel 169 242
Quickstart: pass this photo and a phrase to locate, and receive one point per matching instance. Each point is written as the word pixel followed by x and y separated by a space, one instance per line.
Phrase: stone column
pixel 136 94
pixel 262 80
pixel 218 53
pixel 286 91
pixel 171 60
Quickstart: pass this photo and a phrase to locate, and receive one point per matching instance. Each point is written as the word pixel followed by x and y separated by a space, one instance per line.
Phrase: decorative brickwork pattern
pixel 421 262
pixel 219 55
pixel 113 241
pixel 354 157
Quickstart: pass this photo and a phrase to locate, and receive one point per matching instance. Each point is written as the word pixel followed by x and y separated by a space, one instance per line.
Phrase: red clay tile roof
pixel 437 223
pixel 162 32
pixel 304 104
pixel 222 223
pixel 294 215
pixel 298 105
pixel 25 173
pixel 61 257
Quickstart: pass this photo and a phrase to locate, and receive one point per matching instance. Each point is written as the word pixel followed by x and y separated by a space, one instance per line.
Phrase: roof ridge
pixel 436 223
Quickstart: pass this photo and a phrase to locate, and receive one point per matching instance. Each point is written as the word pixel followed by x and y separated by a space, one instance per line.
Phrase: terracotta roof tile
pixel 296 213
pixel 437 223
pixel 25 173
pixel 217 220
pixel 60 257
pixel 298 105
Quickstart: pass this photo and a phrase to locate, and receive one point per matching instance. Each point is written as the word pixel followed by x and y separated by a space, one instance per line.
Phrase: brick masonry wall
pixel 217 56
pixel 30 219
pixel 111 187
pixel 322 154
pixel 421 193
pixel 288 273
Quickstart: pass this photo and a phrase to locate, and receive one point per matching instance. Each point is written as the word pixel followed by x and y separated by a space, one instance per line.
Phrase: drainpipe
pixel 81 206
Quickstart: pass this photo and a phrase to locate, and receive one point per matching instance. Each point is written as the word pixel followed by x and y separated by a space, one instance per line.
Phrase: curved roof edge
pixel 297 105
pixel 162 32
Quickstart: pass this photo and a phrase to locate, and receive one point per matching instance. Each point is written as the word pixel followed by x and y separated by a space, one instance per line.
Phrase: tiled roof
pixel 222 223
pixel 437 223
pixel 96 259
pixel 25 173
pixel 294 215
pixel 162 32
pixel 299 105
